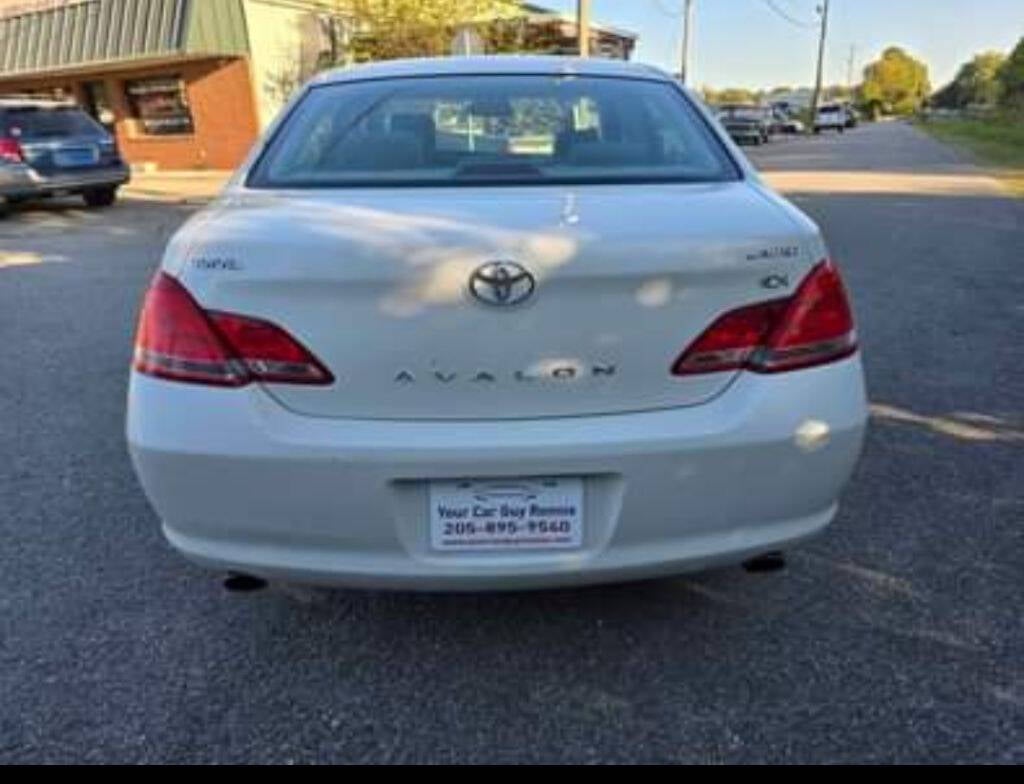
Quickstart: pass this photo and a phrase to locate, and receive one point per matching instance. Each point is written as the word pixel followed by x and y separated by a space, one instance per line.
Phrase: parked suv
pixel 830 117
pixel 50 148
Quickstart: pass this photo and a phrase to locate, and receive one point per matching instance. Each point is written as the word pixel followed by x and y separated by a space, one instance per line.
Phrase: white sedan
pixel 505 322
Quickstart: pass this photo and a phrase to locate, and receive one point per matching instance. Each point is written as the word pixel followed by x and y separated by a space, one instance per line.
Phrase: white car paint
pixel 331 483
pixel 830 117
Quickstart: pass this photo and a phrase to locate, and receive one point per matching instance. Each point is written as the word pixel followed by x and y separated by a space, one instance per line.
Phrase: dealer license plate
pixel 506 514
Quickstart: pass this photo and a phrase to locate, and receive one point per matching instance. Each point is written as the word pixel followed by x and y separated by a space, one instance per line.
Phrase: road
pixel 897 636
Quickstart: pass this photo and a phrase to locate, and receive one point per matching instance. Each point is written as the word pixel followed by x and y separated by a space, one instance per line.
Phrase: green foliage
pixel 731 95
pixel 976 83
pixel 389 29
pixel 1011 79
pixel 996 140
pixel 838 92
pixel 367 30
pixel 896 83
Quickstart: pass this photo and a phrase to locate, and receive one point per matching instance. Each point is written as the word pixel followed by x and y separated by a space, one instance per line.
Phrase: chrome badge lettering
pixel 778 252
pixel 554 373
pixel 775 282
pixel 217 263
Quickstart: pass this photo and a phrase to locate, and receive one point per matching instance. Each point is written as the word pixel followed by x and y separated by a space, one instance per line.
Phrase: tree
pixel 838 92
pixel 976 83
pixel 1011 79
pixel 730 95
pixel 341 32
pixel 314 30
pixel 896 83
pixel 386 29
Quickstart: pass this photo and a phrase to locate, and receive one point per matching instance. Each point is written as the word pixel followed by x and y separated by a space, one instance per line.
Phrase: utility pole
pixel 684 70
pixel 849 66
pixel 583 27
pixel 816 97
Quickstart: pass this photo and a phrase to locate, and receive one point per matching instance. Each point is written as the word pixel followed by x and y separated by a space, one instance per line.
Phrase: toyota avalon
pixel 481 323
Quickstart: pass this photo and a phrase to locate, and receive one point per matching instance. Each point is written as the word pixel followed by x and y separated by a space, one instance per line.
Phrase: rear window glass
pixel 36 122
pixel 492 130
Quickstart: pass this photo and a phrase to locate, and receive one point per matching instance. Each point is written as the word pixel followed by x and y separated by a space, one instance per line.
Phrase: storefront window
pixel 97 104
pixel 159 106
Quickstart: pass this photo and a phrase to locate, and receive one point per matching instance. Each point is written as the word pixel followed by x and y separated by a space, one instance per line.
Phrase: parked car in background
pixel 50 148
pixel 830 117
pixel 390 357
pixel 746 123
pixel 783 122
pixel 852 115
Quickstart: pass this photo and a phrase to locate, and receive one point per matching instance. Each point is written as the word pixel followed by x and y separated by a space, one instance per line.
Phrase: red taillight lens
pixel 730 342
pixel 268 352
pixel 812 327
pixel 10 150
pixel 816 328
pixel 177 340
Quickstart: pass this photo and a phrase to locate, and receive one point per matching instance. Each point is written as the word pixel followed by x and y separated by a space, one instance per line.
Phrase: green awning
pixel 96 32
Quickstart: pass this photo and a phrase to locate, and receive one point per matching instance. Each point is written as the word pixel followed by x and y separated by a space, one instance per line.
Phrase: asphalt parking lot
pixel 896 637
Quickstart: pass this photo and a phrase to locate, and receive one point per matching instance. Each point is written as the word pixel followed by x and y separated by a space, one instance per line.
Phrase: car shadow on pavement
pixel 151 220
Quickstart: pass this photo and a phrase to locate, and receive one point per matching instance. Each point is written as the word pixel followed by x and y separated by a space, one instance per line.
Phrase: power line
pixel 660 5
pixel 788 17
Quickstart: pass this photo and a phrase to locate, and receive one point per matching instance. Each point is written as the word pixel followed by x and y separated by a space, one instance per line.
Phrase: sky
pixel 744 43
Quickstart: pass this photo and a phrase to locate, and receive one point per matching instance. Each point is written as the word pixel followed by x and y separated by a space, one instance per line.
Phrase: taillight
pixel 178 340
pixel 10 150
pixel 267 352
pixel 812 327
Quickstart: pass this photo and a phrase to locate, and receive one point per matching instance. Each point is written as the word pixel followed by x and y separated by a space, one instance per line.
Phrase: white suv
pixel 830 117
pixel 494 323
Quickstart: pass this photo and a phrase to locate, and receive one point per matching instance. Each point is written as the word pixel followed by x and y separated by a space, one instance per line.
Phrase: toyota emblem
pixel 501 283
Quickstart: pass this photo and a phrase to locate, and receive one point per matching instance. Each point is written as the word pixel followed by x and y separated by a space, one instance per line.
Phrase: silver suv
pixel 50 148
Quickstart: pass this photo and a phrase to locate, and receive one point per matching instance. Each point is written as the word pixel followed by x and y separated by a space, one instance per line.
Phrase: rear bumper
pixel 241 483
pixel 19 181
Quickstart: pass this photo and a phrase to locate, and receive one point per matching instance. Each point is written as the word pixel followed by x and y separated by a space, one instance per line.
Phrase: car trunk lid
pixel 377 285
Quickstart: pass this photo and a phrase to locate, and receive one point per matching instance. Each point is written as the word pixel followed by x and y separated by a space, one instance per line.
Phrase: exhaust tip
pixel 244 583
pixel 768 562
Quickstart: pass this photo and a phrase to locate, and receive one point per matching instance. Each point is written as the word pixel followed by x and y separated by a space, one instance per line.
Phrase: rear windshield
pixel 33 122
pixel 492 130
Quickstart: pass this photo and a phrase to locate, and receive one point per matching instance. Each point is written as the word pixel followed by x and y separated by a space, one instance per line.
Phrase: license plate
pixel 84 156
pixel 507 514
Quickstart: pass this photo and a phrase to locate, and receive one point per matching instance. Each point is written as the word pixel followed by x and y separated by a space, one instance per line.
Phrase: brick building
pixel 188 84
